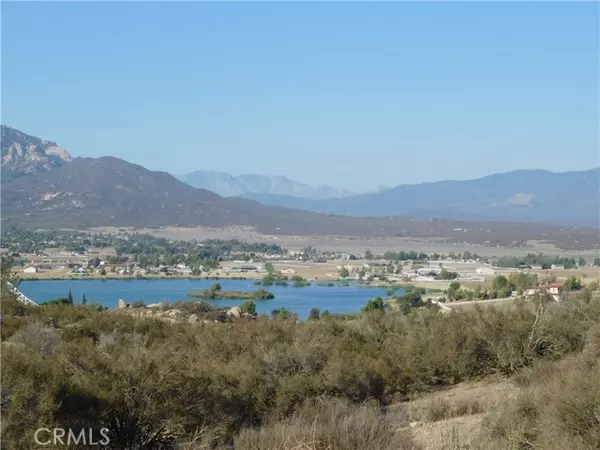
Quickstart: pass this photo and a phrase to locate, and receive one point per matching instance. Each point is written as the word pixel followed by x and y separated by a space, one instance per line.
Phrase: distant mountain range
pixel 51 190
pixel 228 185
pixel 23 154
pixel 568 198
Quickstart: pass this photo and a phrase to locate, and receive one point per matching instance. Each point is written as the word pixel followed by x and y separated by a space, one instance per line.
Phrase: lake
pixel 337 299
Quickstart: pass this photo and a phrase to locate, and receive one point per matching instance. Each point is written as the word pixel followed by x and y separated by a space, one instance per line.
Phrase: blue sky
pixel 356 95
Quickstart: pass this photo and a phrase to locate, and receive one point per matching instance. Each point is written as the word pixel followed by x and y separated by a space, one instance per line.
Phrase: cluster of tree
pixel 405 256
pixel 273 277
pixel 146 250
pixel 546 261
pixel 299 281
pixel 216 292
pixel 446 275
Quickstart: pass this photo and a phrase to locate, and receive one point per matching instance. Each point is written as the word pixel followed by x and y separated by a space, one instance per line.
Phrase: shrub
pixel 329 425
pixel 248 307
pixel 315 314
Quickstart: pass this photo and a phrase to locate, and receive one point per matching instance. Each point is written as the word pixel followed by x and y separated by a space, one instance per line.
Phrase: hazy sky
pixel 351 94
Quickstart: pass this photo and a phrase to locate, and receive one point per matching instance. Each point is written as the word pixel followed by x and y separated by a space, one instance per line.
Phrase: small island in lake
pixel 215 292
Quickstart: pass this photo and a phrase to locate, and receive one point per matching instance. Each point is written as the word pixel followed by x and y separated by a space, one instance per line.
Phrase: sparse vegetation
pixel 215 292
pixel 263 383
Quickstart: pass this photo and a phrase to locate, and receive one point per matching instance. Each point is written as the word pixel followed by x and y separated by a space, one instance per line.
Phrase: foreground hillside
pixel 279 384
pixel 569 198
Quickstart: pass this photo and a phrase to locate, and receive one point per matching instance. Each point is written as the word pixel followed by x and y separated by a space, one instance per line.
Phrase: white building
pixel 485 271
pixel 30 269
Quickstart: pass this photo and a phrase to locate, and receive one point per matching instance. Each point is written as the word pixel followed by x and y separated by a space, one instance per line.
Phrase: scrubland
pixel 519 377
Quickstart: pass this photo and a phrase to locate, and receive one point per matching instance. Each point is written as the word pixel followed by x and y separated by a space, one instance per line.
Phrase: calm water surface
pixel 338 299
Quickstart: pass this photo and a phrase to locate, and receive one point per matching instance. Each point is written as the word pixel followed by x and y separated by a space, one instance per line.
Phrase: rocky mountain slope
pixel 89 192
pixel 23 154
pixel 228 185
pixel 108 191
pixel 568 198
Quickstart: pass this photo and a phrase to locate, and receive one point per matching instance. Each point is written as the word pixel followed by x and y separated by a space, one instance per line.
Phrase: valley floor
pixel 352 244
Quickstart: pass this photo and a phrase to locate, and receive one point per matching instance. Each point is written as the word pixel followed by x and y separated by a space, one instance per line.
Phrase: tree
pixel 409 301
pixel 499 282
pixel 314 314
pixel 283 313
pixel 597 261
pixel 269 268
pixel 84 300
pixel 368 254
pixel 70 297
pixel 376 304
pixel 582 262
pixel 572 284
pixel 344 272
pixel 6 273
pixel 446 275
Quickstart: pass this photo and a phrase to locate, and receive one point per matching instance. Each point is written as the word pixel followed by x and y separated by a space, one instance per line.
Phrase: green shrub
pixel 248 307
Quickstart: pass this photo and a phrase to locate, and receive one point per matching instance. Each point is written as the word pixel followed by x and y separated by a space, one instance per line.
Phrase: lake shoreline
pixel 314 281
pixel 107 292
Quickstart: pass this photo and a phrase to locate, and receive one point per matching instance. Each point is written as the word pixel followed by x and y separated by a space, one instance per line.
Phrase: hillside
pixel 23 154
pixel 109 191
pixel 228 185
pixel 568 198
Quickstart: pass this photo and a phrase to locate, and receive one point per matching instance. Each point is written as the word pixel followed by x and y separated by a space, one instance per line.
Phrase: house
pixel 113 267
pixel 79 271
pixel 288 270
pixel 552 288
pixel 30 269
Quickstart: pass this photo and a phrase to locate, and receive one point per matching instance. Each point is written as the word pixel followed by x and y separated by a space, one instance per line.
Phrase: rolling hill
pixel 567 198
pixel 108 191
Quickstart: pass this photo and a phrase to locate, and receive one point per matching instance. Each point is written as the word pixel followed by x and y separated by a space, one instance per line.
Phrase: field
pixel 355 244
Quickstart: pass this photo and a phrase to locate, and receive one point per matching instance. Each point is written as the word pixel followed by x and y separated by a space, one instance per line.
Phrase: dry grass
pixel 349 244
pixel 333 425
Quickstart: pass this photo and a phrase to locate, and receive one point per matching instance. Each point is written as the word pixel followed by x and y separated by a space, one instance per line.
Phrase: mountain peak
pixel 23 154
pixel 229 185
